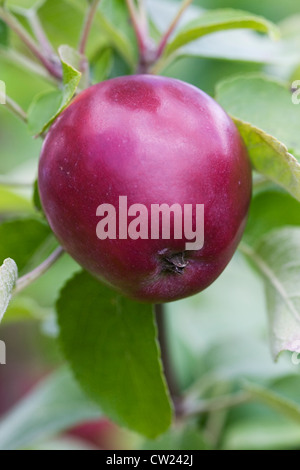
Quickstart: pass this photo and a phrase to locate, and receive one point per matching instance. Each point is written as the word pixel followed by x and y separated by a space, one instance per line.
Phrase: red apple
pixel 154 140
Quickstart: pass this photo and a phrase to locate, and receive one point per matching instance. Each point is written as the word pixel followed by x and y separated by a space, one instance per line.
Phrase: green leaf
pixel 238 45
pixel 22 240
pixel 8 278
pixel 113 19
pixel 188 437
pixel 52 407
pixel 259 118
pixel 220 20
pixel 280 404
pixel 111 343
pixel 277 257
pixel 111 26
pixel 46 107
pixel 43 111
pixel 102 66
pixel 269 210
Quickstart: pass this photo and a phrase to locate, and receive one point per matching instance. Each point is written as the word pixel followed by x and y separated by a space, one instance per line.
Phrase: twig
pixel 16 26
pixel 29 278
pixel 143 17
pixel 140 35
pixel 166 360
pixel 214 404
pixel 172 27
pixel 39 32
pixel 12 106
pixel 21 60
pixel 87 26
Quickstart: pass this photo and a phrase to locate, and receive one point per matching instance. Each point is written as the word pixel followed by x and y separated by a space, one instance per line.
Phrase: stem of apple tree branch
pixel 140 25
pixel 166 360
pixel 143 17
pixel 39 32
pixel 29 278
pixel 92 10
pixel 214 404
pixel 26 63
pixel 53 68
pixel 12 106
pixel 172 27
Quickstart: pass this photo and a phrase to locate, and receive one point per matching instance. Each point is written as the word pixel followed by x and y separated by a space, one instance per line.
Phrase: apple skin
pixel 155 140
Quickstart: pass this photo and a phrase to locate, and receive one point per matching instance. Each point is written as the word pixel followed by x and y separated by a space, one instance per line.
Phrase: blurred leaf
pixel 24 308
pixel 269 210
pixel 187 437
pixel 52 407
pixel 64 443
pixel 101 66
pixel 237 45
pixel 259 119
pixel 280 404
pixel 3 33
pixel 8 278
pixel 10 202
pixel 26 4
pixel 46 107
pixel 36 197
pixel 22 239
pixel 218 20
pixel 221 333
pixel 277 258
pixel 261 433
pixel 111 26
pixel 111 343
pixel 113 18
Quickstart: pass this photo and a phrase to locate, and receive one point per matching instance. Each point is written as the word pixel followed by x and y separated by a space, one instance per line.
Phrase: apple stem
pixel 16 109
pixel 50 63
pixel 32 276
pixel 88 22
pixel 165 356
pixel 164 41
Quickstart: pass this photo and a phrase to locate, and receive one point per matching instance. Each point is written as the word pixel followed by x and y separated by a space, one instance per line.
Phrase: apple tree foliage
pixel 111 343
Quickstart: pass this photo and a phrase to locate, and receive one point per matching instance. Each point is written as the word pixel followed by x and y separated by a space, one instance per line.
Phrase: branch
pixel 87 26
pixel 39 32
pixel 25 62
pixel 29 278
pixel 12 106
pixel 214 404
pixel 172 27
pixel 140 35
pixel 166 360
pixel 16 26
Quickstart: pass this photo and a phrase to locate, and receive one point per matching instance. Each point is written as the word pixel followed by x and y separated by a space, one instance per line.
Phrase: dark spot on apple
pixel 134 95
pixel 174 263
